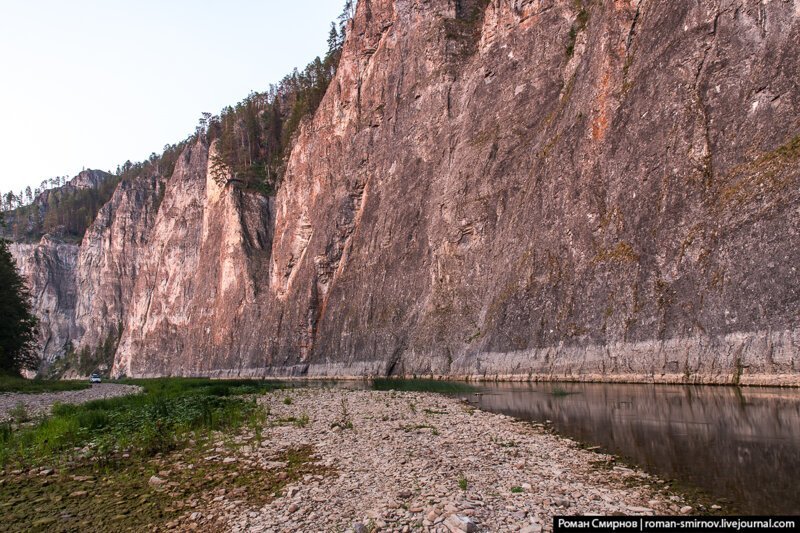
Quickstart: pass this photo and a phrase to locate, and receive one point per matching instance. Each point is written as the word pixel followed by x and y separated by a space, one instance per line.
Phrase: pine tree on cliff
pixel 18 324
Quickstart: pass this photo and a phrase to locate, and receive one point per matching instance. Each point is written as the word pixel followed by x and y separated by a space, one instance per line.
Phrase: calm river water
pixel 741 446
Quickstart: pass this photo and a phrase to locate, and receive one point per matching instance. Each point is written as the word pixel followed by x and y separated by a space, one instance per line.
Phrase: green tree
pixel 18 325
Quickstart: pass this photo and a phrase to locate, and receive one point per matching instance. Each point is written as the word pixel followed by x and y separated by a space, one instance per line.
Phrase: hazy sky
pixel 92 83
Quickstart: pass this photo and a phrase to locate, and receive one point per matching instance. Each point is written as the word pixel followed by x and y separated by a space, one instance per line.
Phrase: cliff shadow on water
pixel 741 447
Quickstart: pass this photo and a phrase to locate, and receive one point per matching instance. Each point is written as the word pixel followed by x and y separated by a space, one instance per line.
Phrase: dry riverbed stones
pixel 401 461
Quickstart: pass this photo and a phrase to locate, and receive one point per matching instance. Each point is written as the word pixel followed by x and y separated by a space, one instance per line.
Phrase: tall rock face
pixel 49 268
pixel 110 257
pixel 196 290
pixel 545 189
pixel 527 189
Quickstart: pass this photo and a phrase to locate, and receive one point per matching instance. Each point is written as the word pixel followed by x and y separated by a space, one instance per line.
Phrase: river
pixel 741 446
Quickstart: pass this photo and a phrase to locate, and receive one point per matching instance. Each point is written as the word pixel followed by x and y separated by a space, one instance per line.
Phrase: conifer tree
pixel 18 325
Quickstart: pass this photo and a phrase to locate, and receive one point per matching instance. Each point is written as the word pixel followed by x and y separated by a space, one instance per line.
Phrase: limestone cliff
pixel 49 268
pixel 548 189
pixel 110 257
pixel 592 190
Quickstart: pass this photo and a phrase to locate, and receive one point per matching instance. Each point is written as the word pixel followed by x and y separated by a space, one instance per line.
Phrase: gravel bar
pixel 40 403
pixel 420 461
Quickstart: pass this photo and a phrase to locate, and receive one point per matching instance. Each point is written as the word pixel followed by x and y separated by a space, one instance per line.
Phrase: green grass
pixel 119 498
pixel 165 417
pixel 32 386
pixel 422 385
pixel 463 484
pixel 516 490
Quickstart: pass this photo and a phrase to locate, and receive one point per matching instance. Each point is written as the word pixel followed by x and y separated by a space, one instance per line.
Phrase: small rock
pixel 229 460
pixel 79 494
pixel 456 522
pixel 716 507
pixel 533 528
pixel 562 502
pixel 156 481
pixel 686 509
pixel 358 527
pixel 293 508
pixel 46 472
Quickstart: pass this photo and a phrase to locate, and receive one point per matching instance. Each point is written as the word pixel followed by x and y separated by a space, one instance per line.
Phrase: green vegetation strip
pixel 17 384
pixel 89 466
pixel 119 496
pixel 163 418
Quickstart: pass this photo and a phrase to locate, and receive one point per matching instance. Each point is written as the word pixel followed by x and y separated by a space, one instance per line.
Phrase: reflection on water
pixel 739 445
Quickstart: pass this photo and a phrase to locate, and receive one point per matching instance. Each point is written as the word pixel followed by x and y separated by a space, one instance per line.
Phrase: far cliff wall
pixel 520 189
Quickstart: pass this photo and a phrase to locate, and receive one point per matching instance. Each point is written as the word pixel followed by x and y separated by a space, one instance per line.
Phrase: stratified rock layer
pixel 507 188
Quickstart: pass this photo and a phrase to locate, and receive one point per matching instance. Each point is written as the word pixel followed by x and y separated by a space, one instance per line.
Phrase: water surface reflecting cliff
pixel 740 445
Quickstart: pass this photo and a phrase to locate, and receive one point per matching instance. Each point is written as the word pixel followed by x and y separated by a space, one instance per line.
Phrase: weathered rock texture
pixel 49 268
pixel 110 257
pixel 195 295
pixel 606 190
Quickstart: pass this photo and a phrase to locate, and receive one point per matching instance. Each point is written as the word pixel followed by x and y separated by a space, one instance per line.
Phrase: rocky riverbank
pixel 398 461
pixel 32 405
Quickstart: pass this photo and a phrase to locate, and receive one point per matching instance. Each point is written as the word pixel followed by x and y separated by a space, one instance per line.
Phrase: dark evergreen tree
pixel 18 324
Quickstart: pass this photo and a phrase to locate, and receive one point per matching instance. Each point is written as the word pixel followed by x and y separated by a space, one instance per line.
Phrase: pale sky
pixel 92 83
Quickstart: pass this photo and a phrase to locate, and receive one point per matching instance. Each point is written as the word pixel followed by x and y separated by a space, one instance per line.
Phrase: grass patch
pixel 105 452
pixel 422 385
pixel 118 496
pixel 516 490
pixel 463 484
pixel 558 392
pixel 168 414
pixel 33 386
pixel 344 421
pixel 301 421
pixel 19 414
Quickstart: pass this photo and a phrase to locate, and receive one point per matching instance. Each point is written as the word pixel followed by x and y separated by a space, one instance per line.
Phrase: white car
pixel 95 378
